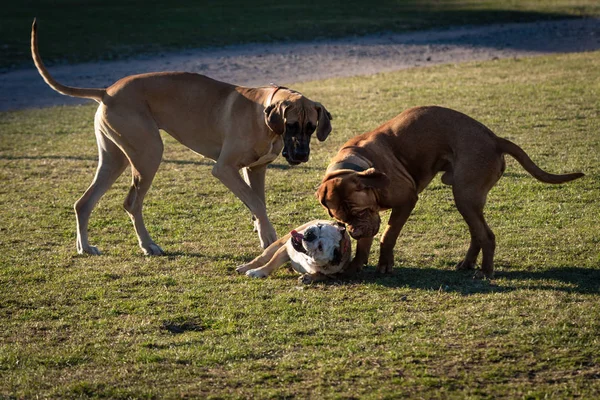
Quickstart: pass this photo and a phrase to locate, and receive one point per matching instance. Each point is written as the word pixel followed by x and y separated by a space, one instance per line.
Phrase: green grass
pixel 125 326
pixel 80 31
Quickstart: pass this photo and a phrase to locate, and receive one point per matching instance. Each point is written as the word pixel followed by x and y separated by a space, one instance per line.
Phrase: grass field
pixel 110 29
pixel 185 325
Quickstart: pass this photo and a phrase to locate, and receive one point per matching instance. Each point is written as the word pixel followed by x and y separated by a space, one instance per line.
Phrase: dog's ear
pixel 275 116
pixel 321 194
pixel 324 124
pixel 337 257
pixel 372 179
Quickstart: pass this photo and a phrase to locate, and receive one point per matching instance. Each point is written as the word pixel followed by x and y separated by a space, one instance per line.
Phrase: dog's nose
pixel 301 155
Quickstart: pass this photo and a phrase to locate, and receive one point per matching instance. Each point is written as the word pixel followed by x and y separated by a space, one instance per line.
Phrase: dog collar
pixel 346 165
pixel 338 255
pixel 277 87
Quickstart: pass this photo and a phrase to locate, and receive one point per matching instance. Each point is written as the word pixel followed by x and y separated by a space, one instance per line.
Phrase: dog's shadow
pixel 507 278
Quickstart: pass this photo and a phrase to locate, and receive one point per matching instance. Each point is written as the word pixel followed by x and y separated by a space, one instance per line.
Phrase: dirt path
pixel 284 63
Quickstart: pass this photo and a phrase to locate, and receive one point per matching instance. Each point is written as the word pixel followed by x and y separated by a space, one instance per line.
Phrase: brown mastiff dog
pixel 239 127
pixel 388 167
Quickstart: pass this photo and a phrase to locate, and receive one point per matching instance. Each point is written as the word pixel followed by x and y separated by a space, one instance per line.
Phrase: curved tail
pixel 508 147
pixel 95 94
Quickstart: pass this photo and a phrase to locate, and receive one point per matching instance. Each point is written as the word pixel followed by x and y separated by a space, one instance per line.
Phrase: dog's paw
pixel 480 275
pixel 240 269
pixel 465 265
pixel 385 266
pixel 307 279
pixel 267 236
pixel 354 267
pixel 153 249
pixel 256 273
pixel 91 250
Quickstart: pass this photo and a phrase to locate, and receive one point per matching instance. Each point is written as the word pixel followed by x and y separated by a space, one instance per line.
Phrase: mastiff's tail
pixel 508 147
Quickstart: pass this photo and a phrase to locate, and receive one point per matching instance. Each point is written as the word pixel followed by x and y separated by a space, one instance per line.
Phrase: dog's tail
pixel 95 94
pixel 508 147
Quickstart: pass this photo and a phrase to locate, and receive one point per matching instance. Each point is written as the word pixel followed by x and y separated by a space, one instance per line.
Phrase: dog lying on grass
pixel 317 250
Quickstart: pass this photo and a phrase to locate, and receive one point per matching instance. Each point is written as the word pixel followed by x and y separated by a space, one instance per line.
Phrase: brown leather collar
pixel 357 153
pixel 277 87
pixel 346 165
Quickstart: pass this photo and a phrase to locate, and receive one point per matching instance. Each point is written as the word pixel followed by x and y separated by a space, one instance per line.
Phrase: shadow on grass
pixel 566 279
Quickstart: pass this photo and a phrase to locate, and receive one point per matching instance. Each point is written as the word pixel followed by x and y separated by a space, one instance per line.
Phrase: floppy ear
pixel 321 194
pixel 324 124
pixel 373 179
pixel 275 117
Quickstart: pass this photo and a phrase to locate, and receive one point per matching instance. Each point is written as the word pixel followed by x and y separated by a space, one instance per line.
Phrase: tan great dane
pixel 239 127
pixel 388 167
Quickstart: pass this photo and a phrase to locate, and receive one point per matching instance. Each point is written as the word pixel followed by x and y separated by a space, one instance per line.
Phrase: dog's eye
pixel 310 128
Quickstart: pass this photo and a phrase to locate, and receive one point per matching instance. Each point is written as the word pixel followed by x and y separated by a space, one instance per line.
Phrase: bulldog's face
pixel 352 198
pixel 321 242
pixel 296 119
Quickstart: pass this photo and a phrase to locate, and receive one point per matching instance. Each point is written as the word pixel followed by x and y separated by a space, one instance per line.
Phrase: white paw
pixel 256 273
pixel 152 250
pixel 267 236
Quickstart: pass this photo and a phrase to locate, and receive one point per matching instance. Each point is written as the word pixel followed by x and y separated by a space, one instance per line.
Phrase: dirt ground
pixel 285 63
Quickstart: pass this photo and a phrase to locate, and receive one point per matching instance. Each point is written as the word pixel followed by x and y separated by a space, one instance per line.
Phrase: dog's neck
pixel 350 161
pixel 275 90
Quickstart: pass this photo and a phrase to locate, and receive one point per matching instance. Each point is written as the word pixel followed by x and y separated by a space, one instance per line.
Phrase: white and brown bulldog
pixel 317 250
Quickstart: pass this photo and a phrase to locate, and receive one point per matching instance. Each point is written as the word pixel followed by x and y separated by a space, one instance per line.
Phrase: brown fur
pixel 239 127
pixel 400 158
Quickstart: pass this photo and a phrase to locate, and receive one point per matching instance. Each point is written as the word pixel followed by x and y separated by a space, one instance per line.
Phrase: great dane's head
pixel 352 198
pixel 296 118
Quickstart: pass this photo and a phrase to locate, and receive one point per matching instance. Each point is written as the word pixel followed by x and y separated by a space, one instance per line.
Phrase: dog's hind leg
pixel 144 165
pixel 470 194
pixel 139 138
pixel 279 258
pixel 264 258
pixel 111 164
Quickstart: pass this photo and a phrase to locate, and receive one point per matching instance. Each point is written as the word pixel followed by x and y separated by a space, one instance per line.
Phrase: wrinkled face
pixel 351 199
pixel 322 243
pixel 296 119
pixel 300 124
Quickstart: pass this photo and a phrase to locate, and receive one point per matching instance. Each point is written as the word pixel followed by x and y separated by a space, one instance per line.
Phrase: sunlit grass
pixel 126 326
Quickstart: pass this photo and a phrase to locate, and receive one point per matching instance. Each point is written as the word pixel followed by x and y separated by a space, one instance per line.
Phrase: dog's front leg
pixel 388 240
pixel 265 257
pixel 363 248
pixel 255 178
pixel 280 258
pixel 230 176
